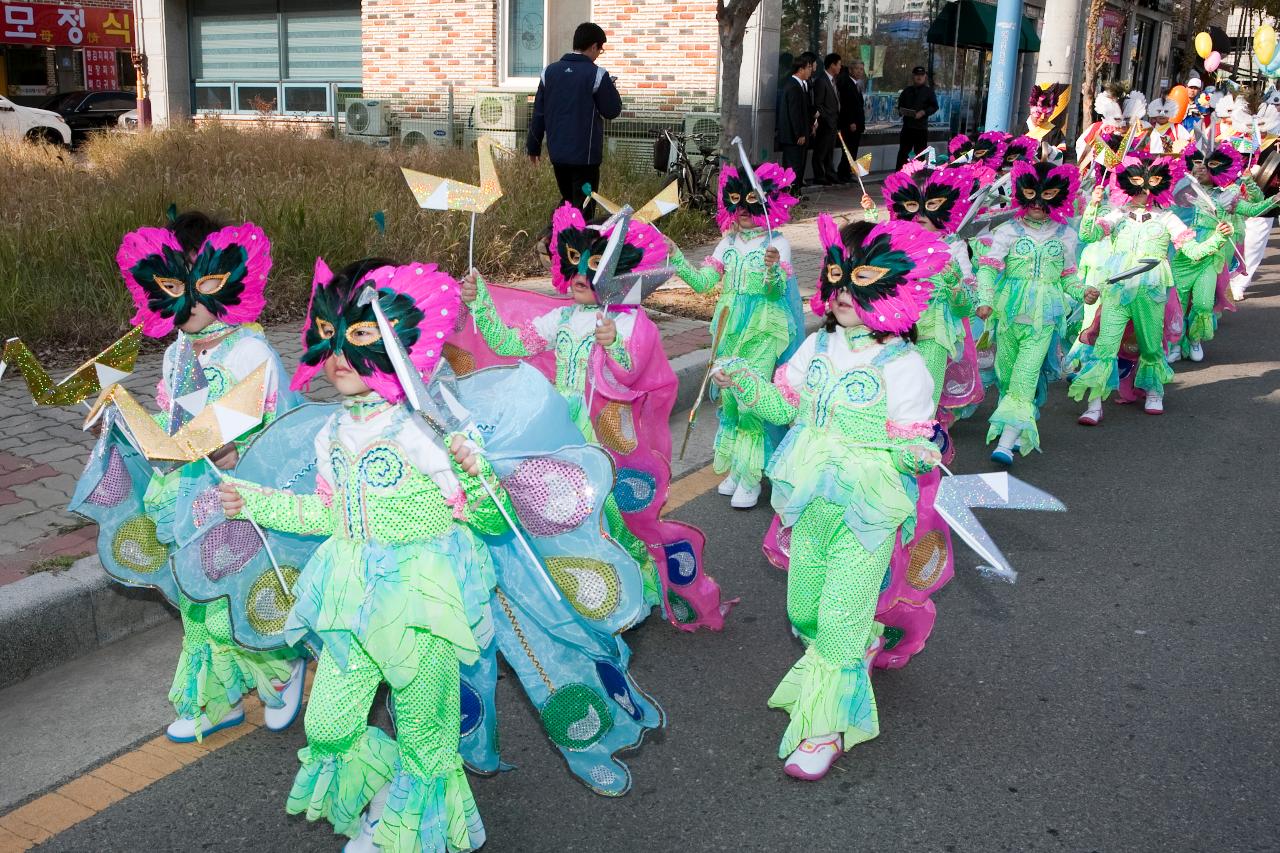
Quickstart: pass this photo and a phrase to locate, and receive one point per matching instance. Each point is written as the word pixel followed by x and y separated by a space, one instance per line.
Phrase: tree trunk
pixel 1092 58
pixel 732 17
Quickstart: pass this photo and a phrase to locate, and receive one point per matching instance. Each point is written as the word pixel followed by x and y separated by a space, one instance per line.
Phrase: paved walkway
pixel 42 449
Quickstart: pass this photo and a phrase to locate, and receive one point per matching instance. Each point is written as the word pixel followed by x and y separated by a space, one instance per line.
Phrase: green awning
pixel 977 27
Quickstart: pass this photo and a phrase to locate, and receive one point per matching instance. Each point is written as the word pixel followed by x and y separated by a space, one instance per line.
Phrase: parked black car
pixel 89 111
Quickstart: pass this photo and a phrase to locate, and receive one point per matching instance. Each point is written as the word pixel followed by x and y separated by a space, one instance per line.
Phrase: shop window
pixel 288 54
pixel 306 99
pixel 322 47
pixel 213 97
pixel 525 34
pixel 236 48
pixel 257 98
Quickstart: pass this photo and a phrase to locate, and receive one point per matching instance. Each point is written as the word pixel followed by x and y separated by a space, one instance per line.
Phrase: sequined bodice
pixel 849 404
pixel 572 354
pixel 378 494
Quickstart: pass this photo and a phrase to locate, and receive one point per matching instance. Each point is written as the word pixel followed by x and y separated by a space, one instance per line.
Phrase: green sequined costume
pixel 1197 280
pixel 397 594
pixel 940 331
pixel 844 480
pixel 753 310
pixel 570 332
pixel 1132 234
pixel 213 672
pixel 1027 276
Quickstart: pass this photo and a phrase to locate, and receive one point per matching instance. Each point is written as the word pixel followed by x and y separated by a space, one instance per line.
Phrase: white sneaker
pixel 744 498
pixel 279 719
pixel 728 486
pixel 1197 351
pixel 183 730
pixel 813 757
pixel 1005 448
pixel 363 843
pixel 1174 356
pixel 1154 405
pixel 1237 293
pixel 1092 415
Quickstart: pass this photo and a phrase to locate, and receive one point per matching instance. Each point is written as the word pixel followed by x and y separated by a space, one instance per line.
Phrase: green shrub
pixel 64 215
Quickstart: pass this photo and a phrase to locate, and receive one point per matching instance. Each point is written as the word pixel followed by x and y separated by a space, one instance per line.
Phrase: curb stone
pixel 50 618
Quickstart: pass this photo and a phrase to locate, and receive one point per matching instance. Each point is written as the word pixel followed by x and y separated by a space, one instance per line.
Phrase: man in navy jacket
pixel 574 98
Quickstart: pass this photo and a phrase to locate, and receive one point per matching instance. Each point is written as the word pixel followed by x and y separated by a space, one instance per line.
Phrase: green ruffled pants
pixel 213 672
pixel 1099 376
pixel 1020 354
pixel 346 761
pixel 832 588
pixel 1197 288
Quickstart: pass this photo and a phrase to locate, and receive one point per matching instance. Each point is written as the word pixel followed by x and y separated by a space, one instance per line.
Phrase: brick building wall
pixel 414 48
pixel 664 54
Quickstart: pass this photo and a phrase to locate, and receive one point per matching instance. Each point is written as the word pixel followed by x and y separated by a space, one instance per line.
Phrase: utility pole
pixel 1004 63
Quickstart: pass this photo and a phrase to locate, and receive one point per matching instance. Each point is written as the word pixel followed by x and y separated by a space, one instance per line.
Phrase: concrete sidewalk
pixel 52 614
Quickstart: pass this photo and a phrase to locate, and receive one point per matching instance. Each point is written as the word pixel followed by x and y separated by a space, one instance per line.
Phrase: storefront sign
pixel 40 25
pixel 101 73
pixel 1111 35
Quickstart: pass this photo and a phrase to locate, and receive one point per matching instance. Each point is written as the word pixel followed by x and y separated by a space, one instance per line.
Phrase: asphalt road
pixel 1120 697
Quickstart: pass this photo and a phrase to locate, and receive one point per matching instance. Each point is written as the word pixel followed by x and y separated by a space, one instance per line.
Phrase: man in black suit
pixel 795 117
pixel 853 116
pixel 826 103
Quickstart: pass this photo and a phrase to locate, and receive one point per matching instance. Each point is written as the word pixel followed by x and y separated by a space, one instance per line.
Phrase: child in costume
pixel 757 316
pixel 1139 228
pixel 937 200
pixel 576 333
pixel 1026 282
pixel 862 404
pixel 207 281
pixel 611 369
pixel 1197 281
pixel 397 592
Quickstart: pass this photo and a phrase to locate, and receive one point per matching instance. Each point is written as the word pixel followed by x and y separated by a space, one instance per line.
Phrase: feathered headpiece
pixel 1021 148
pixel 1045 185
pixel 1142 171
pixel 987 150
pixel 885 268
pixel 1047 101
pixel 420 301
pixel 1135 105
pixel 1107 104
pixel 940 195
pixel 1223 163
pixel 577 248
pixel 736 193
pixel 227 276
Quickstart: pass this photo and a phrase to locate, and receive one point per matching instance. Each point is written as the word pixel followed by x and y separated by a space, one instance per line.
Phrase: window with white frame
pixel 273 56
pixel 533 33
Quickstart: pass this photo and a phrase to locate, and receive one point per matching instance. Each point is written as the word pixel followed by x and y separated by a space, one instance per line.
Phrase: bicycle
pixel 695 174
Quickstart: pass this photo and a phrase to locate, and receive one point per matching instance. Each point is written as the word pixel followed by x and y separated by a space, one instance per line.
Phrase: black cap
pixel 919 69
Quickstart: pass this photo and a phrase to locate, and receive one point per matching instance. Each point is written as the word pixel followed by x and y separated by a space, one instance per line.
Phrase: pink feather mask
pixel 577 248
pixel 421 302
pixel 227 276
pixel 885 268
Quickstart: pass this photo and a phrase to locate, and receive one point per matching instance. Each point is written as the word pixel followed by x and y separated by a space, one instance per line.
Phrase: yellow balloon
pixel 1204 45
pixel 1264 43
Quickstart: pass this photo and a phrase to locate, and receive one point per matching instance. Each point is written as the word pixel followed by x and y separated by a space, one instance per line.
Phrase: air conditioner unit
pixel 501 115
pixel 367 118
pixel 426 132
pixel 702 124
pixel 637 152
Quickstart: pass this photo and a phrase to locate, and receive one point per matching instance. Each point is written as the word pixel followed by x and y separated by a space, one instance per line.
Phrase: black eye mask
pixel 738 194
pixel 580 250
pixel 338 326
pixel 175 286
